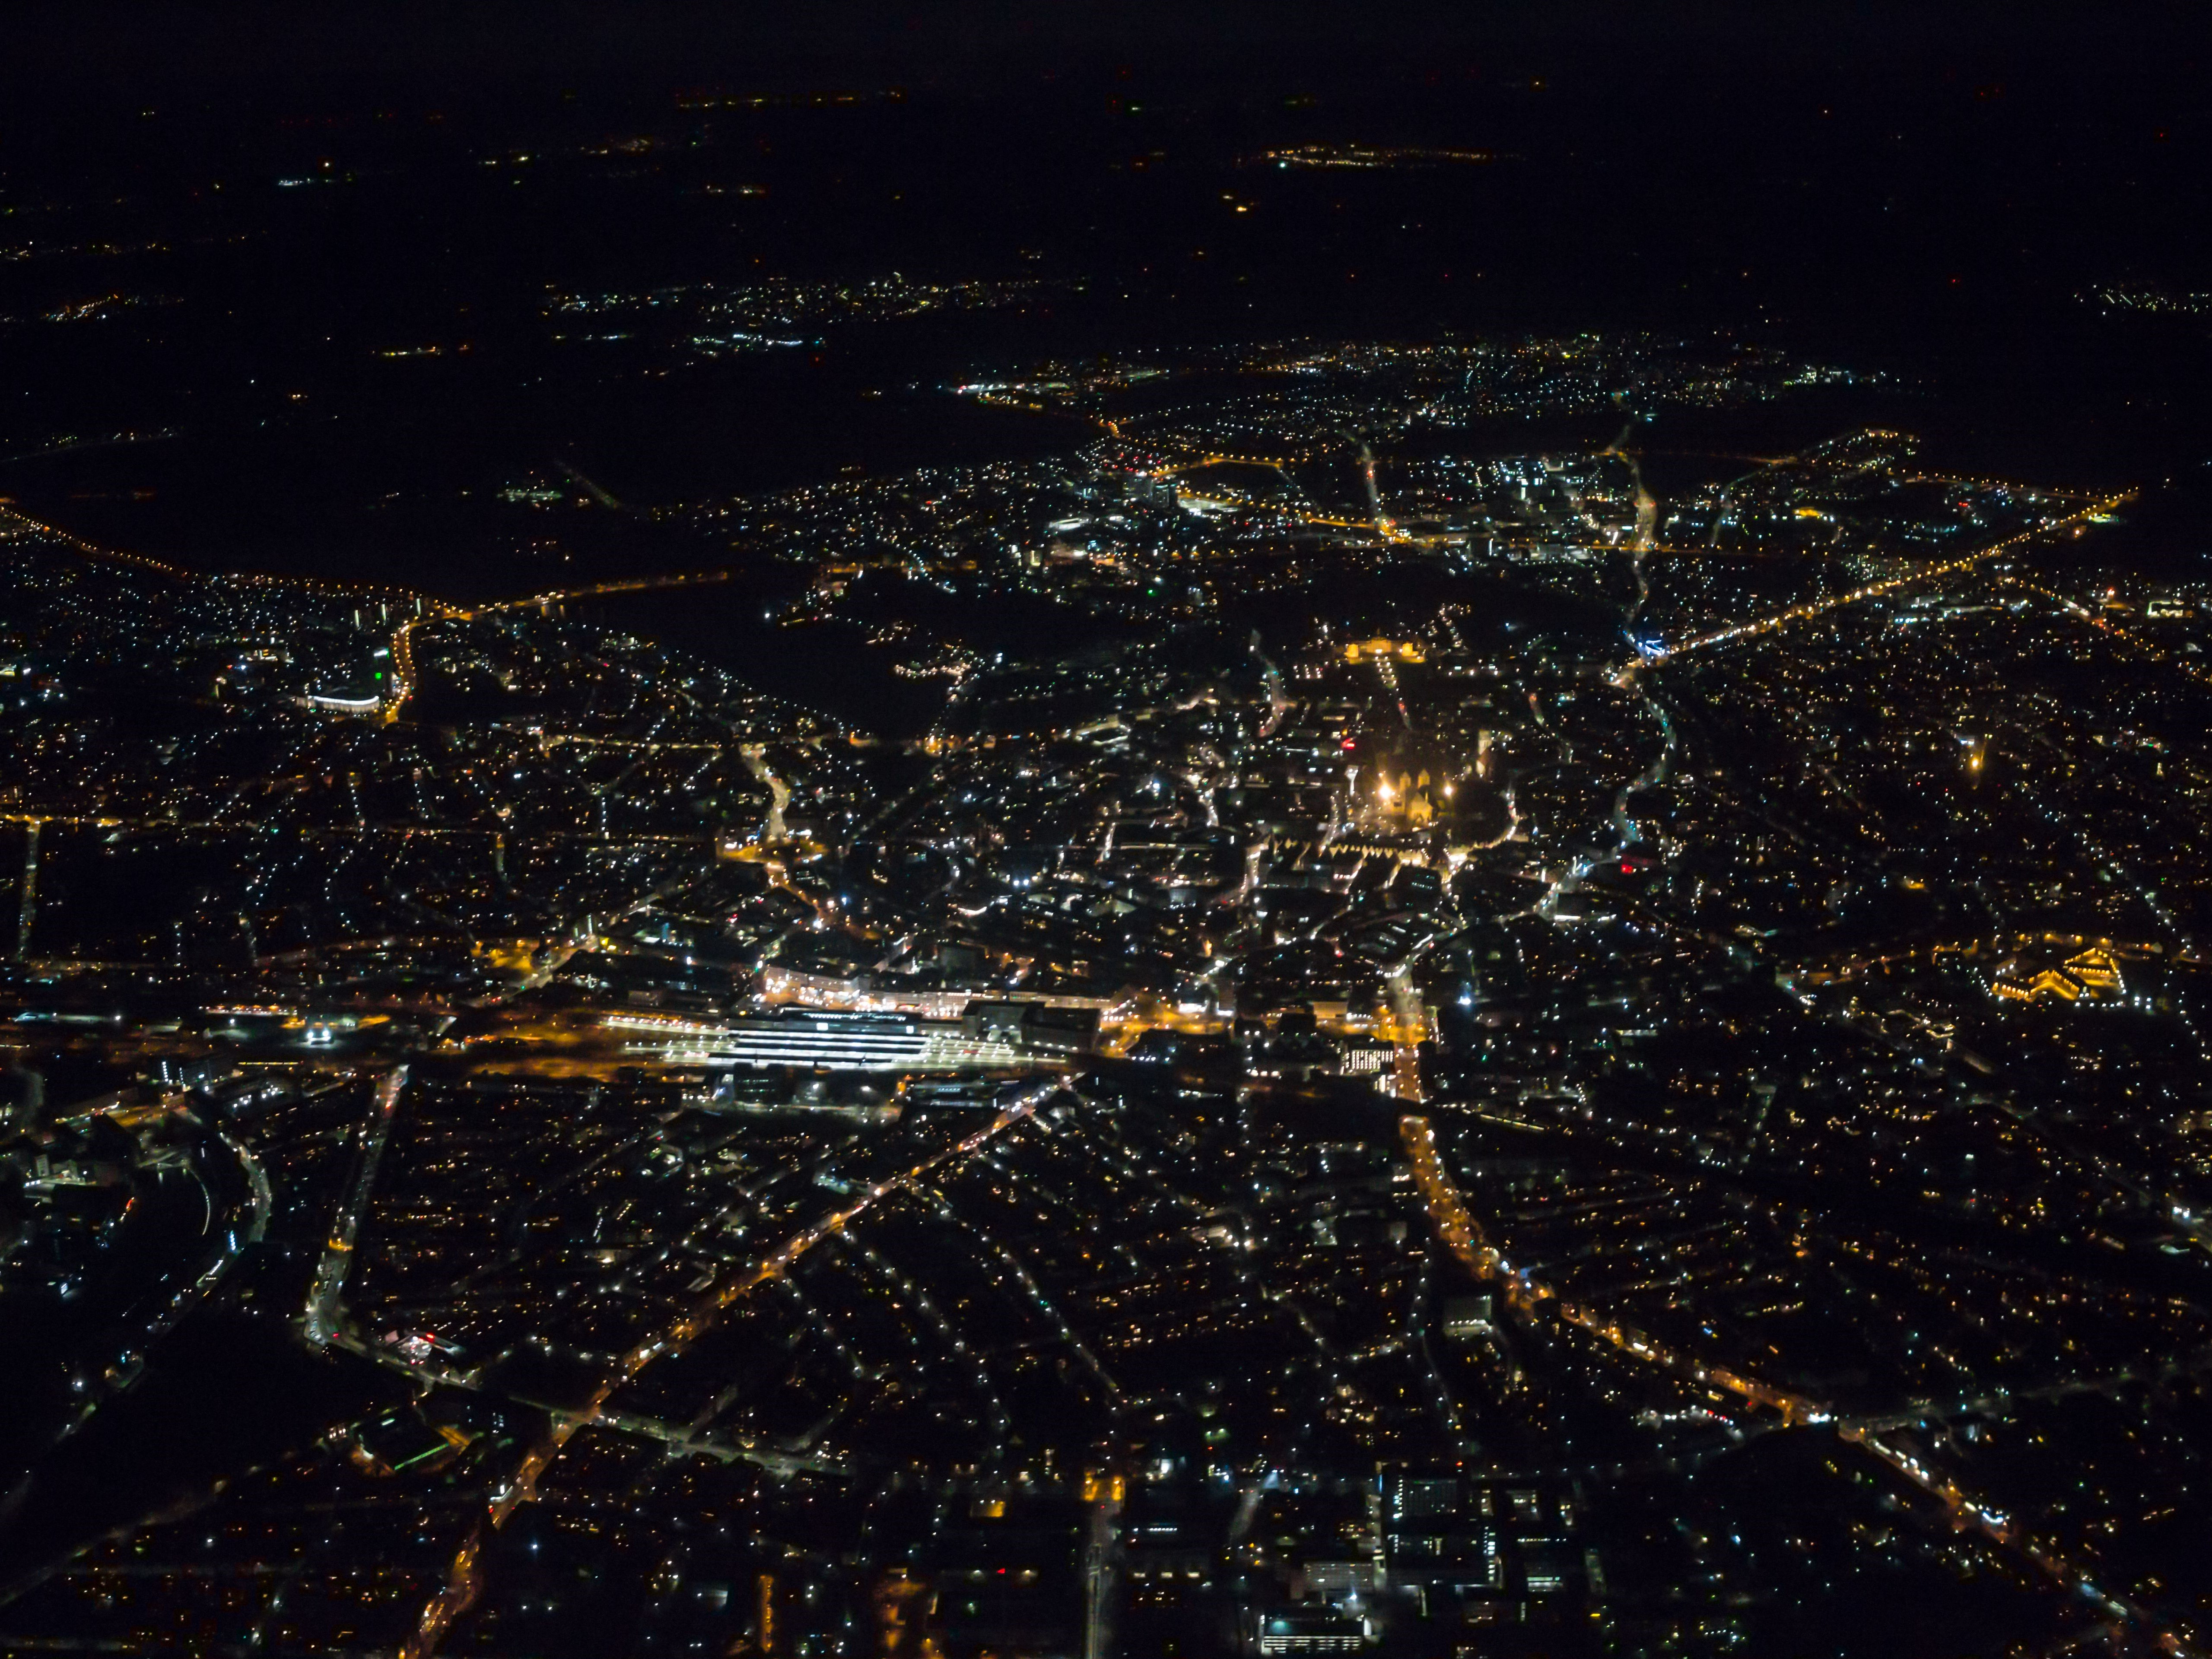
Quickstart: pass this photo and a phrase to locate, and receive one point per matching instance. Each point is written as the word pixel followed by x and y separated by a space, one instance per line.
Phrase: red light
pixel 1347 744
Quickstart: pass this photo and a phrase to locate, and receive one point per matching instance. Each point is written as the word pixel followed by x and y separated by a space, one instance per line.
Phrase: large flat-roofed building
pixel 837 1042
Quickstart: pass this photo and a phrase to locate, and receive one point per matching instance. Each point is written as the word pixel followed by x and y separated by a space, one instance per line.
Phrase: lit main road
pixel 402 670
pixel 1463 1234
pixel 597 590
pixel 404 679
pixel 755 759
pixel 464 1581
pixel 1875 590
pixel 319 1319
pixel 2082 613
pixel 325 831
pixel 1409 1025
pixel 14 522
